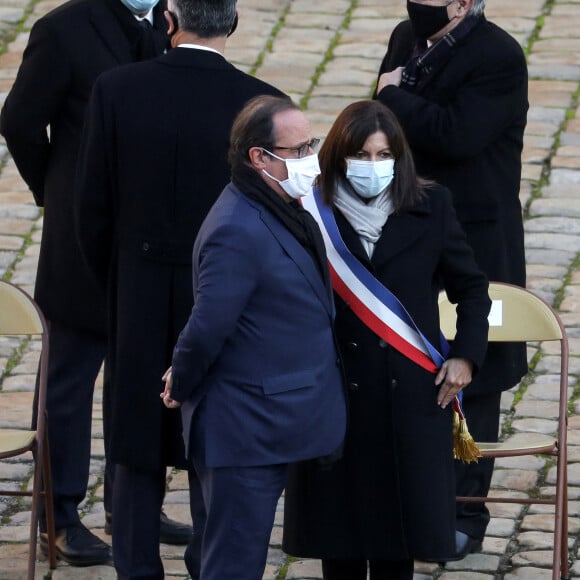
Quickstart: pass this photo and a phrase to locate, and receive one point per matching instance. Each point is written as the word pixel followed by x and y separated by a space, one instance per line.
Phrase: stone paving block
pixel 530 462
pixel 480 562
pixel 426 568
pixel 464 575
pixel 535 408
pixel 552 224
pixel 516 479
pixel 14 471
pixel 558 257
pixel 573 474
pixel 493 545
pixel 545 522
pixel 64 572
pixel 502 527
pixel 528 573
pixel 19 404
pixel 555 241
pixel 304 569
pixel 535 425
pixel 544 387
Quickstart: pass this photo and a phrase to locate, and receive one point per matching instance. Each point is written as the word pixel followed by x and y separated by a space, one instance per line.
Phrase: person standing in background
pixel 153 160
pixel 41 121
pixel 458 85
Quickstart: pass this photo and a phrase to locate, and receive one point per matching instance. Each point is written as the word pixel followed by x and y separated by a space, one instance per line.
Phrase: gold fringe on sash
pixel 464 447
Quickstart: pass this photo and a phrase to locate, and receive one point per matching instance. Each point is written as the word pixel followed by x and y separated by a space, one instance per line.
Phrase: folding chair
pixel 519 315
pixel 20 316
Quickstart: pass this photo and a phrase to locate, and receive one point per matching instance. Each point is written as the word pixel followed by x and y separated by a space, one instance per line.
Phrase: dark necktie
pixel 147 42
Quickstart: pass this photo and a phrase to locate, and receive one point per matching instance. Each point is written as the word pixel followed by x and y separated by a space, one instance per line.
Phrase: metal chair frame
pixel 527 317
pixel 21 316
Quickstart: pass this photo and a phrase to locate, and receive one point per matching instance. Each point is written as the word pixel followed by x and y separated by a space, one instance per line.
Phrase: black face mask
pixel 427 20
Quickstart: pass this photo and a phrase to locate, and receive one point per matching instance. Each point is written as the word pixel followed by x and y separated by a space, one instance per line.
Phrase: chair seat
pixel 15 441
pixel 528 443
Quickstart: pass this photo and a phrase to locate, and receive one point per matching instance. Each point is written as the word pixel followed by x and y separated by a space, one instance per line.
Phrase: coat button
pixel 353 386
pixel 394 383
pixel 352 346
pixel 383 344
pixel 337 362
pixel 145 247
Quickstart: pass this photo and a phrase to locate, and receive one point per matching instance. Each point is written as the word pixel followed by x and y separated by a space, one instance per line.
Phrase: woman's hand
pixel 166 394
pixel 454 375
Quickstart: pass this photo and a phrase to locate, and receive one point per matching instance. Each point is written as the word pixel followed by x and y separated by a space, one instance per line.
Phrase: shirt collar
pixel 198 47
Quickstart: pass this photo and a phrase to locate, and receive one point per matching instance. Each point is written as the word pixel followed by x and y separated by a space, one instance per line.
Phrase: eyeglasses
pixel 302 150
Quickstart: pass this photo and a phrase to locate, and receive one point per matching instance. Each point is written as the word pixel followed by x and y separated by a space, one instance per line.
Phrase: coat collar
pixel 400 231
pixel 111 31
pixel 191 57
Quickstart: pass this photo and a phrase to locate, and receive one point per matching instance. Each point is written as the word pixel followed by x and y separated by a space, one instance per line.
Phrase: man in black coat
pixel 41 121
pixel 152 162
pixel 458 85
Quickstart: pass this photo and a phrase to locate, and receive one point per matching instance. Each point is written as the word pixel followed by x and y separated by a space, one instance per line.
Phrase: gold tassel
pixel 464 447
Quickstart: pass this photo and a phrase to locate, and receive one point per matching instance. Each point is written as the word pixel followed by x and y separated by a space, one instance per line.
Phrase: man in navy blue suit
pixel 255 370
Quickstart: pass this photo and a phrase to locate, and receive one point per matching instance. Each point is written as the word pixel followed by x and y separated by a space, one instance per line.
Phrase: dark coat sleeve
pixel 42 83
pixel 225 278
pixel 484 91
pixel 465 285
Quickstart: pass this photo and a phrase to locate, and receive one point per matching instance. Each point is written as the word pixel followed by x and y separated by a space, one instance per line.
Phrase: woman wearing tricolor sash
pixel 393 242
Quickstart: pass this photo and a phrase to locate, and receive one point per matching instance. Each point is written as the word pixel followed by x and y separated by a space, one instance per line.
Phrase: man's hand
pixel 390 78
pixel 454 375
pixel 166 394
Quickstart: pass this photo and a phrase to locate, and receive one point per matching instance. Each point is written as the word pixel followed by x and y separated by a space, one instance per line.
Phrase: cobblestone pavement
pixel 325 53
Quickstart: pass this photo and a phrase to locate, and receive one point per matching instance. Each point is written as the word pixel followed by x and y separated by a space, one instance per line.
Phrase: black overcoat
pixel 153 161
pixel 42 120
pixel 392 495
pixel 465 126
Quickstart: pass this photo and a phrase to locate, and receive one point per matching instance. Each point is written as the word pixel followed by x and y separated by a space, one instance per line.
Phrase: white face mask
pixel 369 178
pixel 301 174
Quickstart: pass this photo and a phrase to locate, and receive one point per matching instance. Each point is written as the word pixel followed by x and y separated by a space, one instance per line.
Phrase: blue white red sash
pixel 373 303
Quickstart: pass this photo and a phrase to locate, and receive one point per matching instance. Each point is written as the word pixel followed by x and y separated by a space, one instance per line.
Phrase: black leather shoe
pixel 77 546
pixel 464 545
pixel 173 532
pixel 170 531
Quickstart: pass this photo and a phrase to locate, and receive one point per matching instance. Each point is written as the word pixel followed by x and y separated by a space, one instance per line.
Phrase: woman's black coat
pixel 392 495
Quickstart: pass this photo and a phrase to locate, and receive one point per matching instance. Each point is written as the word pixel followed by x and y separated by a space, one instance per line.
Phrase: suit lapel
pixel 300 257
pixel 109 29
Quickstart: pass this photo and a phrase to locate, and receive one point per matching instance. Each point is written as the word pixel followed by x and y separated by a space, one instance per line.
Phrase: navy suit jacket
pixel 256 366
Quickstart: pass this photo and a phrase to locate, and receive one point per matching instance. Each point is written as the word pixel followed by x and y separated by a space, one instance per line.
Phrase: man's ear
pixel 257 158
pixel 171 22
pixel 464 6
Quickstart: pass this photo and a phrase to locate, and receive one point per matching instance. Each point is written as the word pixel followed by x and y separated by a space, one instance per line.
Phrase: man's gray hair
pixel 205 18
pixel 477 7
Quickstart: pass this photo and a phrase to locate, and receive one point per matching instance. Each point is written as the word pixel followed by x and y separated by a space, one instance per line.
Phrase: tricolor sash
pixel 380 310
pixel 376 306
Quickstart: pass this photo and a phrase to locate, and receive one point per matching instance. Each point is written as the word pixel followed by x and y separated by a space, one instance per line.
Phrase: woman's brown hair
pixel 347 137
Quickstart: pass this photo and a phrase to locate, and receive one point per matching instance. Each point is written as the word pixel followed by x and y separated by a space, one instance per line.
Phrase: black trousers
pixel 357 569
pixel 473 479
pixel 75 359
pixel 137 500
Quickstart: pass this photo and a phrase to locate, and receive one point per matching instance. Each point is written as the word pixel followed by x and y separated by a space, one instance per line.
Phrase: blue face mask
pixel 139 6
